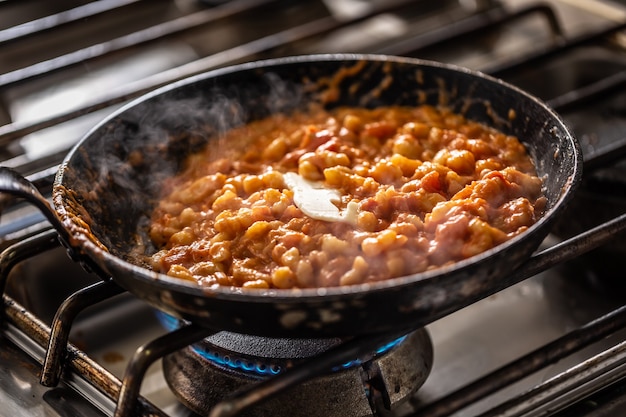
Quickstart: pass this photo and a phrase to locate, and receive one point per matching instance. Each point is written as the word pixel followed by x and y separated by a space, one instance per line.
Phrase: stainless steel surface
pixel 468 344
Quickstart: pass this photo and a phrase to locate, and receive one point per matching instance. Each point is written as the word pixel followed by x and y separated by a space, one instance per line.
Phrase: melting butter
pixel 316 201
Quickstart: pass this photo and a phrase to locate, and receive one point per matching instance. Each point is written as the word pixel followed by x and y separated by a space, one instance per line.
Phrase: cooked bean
pixel 431 187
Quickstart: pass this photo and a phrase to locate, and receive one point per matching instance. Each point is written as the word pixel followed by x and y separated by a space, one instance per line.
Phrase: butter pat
pixel 316 201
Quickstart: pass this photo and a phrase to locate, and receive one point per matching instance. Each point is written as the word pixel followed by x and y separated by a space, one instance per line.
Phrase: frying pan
pixel 109 183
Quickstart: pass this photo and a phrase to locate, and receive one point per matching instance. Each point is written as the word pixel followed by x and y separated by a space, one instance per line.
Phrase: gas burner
pixel 205 373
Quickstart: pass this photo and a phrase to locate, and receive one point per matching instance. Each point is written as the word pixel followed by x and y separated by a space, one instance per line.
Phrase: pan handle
pixel 12 182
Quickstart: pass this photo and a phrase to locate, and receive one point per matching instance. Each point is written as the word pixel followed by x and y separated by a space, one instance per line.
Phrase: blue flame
pixel 259 368
pixel 240 364
pixel 379 351
pixel 170 323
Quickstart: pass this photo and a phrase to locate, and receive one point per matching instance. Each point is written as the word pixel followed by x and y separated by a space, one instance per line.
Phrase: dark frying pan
pixel 108 184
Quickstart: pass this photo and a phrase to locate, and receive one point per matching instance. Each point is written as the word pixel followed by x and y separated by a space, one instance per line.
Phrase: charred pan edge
pixel 74 217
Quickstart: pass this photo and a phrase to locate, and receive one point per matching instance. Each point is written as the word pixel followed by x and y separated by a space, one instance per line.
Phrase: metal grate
pixel 62 360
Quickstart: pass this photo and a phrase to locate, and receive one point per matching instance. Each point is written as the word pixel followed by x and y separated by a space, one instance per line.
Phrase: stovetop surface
pixel 467 344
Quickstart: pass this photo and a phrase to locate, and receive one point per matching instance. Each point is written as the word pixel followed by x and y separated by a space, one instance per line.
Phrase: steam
pixel 119 171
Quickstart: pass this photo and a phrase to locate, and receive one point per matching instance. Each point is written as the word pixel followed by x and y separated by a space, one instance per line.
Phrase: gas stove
pixel 549 343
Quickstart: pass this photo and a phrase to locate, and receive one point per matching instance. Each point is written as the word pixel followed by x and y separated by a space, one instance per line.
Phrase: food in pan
pixel 342 197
